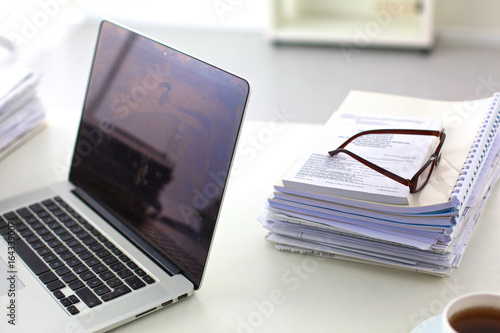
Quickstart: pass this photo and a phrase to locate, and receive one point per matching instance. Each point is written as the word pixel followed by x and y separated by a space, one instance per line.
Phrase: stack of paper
pixel 350 212
pixel 21 113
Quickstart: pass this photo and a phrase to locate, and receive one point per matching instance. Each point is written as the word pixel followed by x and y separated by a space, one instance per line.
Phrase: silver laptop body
pixel 136 218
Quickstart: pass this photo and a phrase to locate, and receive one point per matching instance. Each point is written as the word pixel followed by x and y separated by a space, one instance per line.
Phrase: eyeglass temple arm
pixel 369 164
pixel 392 131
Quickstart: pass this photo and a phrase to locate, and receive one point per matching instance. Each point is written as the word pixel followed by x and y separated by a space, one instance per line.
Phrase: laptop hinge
pixel 123 229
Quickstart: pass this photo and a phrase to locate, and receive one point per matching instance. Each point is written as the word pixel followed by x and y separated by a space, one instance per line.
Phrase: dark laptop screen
pixel 156 140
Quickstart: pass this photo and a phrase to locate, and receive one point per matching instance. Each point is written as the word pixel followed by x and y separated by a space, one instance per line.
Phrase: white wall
pixel 471 21
pixel 472 14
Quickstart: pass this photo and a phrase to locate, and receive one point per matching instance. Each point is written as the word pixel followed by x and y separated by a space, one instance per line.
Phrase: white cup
pixel 468 301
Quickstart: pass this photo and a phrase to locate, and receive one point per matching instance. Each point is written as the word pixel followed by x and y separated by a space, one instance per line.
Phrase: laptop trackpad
pixel 6 282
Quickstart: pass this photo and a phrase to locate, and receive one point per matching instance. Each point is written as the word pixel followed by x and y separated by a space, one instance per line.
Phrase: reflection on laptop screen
pixel 156 141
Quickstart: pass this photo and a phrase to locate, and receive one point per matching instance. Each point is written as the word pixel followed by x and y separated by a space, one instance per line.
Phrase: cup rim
pixel 477 299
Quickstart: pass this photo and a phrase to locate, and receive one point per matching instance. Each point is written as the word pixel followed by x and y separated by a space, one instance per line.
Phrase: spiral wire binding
pixel 464 183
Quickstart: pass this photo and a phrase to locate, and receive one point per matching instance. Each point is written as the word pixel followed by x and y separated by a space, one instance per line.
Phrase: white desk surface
pixel 250 287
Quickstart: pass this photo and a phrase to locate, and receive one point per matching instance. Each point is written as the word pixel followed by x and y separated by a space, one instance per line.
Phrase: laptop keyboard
pixel 70 257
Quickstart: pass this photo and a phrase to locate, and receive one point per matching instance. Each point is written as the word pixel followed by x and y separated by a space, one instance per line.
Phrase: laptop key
pixel 32 239
pixel 56 264
pixel 134 282
pixel 109 260
pixel 89 240
pixel 65 237
pixel 99 268
pixel 73 299
pixel 65 302
pixel 50 257
pixel 60 249
pixel 31 220
pixel 118 291
pixel 66 255
pixel 125 273
pixel 73 262
pixel 69 278
pixel 132 265
pixel 92 261
pixel 118 266
pixel 103 253
pixel 26 233
pixel 10 216
pixel 20 226
pixel 58 284
pixel 43 251
pixel 122 290
pixel 88 297
pixel 86 255
pixel 37 225
pixel 95 232
pixel 80 269
pixel 48 277
pixel 42 231
pixel 11 236
pixel 48 220
pixel 37 208
pixel 107 275
pixel 41 214
pixel 68 222
pixel 24 213
pixel 96 247
pixel 148 279
pixel 37 245
pixel 109 245
pixel 47 202
pixel 30 258
pixel 53 243
pixel 87 275
pixel 58 294
pixel 87 225
pixel 48 237
pixel 102 239
pixel 124 258
pixel 63 271
pixel 95 282
pixel 79 248
pixel 114 282
pixel 76 285
pixel 73 310
pixel 101 290
pixel 74 243
pixel 58 212
pixel 59 231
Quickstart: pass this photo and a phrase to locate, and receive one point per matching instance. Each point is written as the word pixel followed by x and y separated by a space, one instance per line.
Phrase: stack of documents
pixel 358 215
pixel 21 113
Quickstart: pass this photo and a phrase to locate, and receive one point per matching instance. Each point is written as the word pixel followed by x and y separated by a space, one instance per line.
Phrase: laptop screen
pixel 156 140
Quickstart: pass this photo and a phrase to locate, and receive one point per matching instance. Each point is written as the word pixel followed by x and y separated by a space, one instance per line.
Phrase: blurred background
pixel 302 56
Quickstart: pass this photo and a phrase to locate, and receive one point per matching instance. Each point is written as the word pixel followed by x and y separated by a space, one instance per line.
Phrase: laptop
pixel 130 231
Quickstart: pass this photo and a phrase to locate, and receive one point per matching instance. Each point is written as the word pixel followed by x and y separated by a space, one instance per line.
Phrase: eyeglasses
pixel 420 179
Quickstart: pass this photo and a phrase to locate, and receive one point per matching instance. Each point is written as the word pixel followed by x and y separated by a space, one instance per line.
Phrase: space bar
pixel 30 257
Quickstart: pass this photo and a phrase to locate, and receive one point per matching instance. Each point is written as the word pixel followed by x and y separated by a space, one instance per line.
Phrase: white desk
pixel 249 286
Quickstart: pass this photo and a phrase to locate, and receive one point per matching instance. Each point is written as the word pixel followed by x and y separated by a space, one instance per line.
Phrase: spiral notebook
pixel 431 234
pixel 471 128
pixel 478 152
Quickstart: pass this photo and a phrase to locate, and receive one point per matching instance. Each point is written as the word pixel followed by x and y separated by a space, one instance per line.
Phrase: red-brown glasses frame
pixel 411 183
